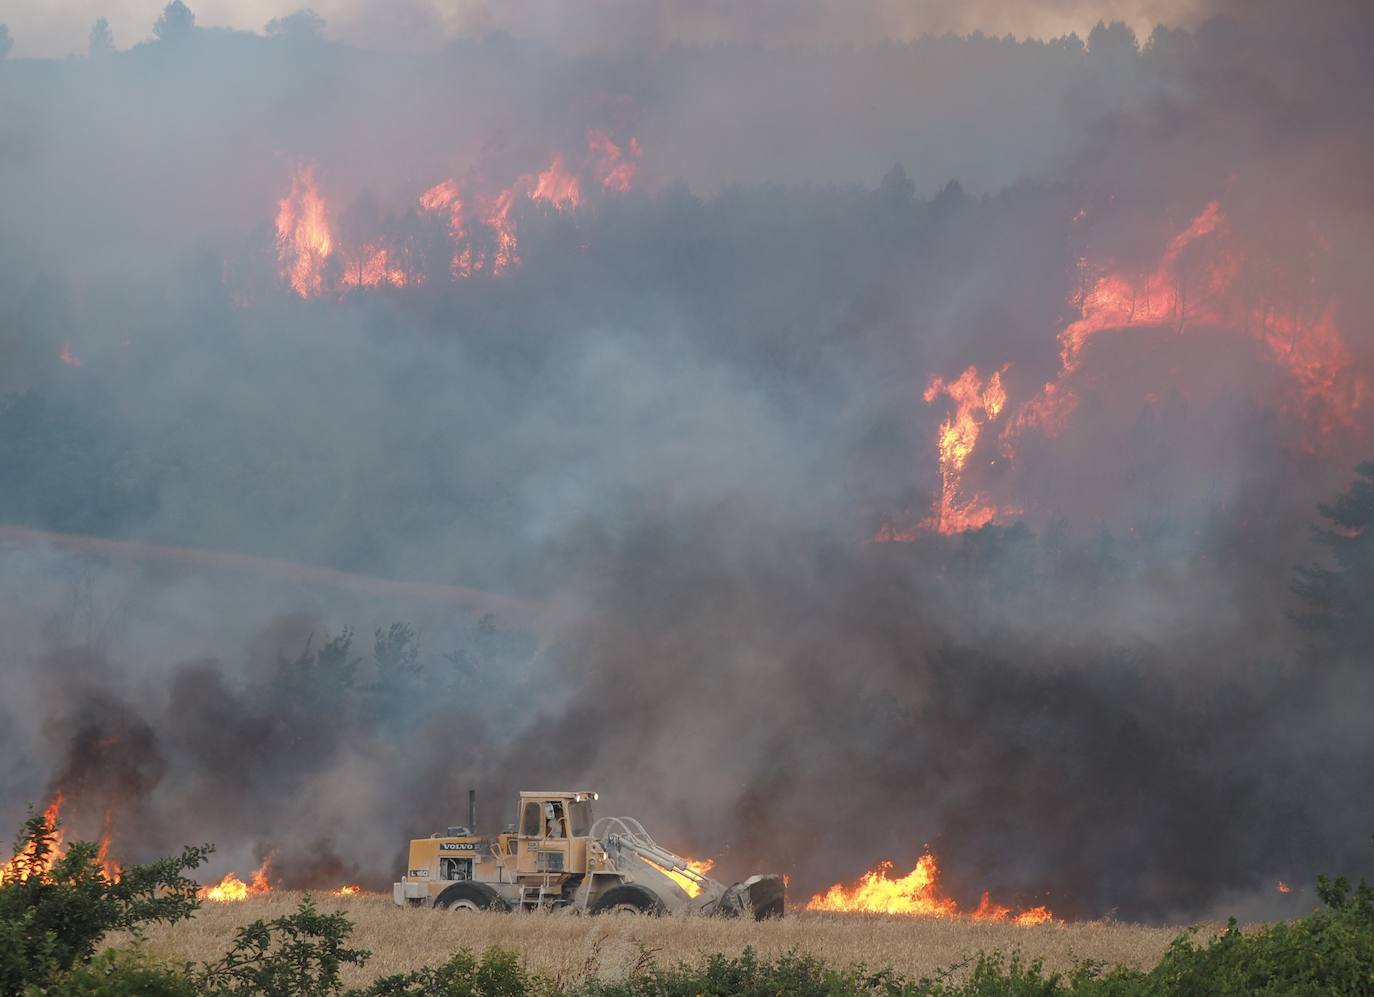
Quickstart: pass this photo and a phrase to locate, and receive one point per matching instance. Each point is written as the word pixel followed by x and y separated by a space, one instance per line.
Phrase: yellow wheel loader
pixel 560 855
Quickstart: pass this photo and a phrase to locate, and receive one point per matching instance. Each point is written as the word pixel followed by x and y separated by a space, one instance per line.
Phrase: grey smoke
pixel 676 427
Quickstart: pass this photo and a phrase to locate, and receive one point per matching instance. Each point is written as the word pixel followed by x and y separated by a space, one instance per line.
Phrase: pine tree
pixel 1340 598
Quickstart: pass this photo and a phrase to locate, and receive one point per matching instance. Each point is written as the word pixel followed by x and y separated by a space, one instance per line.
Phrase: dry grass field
pixel 569 947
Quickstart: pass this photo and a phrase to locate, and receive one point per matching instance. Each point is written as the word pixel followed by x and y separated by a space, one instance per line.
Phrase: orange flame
pixel 352 890
pixel 305 242
pixel 231 888
pixel 498 219
pixel 303 239
pixel 917 894
pixel 1204 278
pixel 374 267
pixel 110 867
pixel 22 865
pixel 1196 287
pixel 68 357
pixel 689 886
pixel 1284 887
pixel 557 186
pixel 615 167
pixel 975 403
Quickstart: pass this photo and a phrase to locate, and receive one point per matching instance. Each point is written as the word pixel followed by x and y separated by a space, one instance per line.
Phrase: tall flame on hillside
pixel 303 238
pixel 976 402
pixel 917 894
pixel 1204 279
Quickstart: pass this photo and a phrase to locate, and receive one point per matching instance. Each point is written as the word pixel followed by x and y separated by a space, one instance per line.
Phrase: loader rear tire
pixel 628 898
pixel 470 897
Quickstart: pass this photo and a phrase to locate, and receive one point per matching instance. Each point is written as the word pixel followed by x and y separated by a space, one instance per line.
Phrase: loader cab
pixel 552 833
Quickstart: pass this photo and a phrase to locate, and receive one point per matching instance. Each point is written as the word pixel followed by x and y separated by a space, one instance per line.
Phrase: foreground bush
pixel 55 911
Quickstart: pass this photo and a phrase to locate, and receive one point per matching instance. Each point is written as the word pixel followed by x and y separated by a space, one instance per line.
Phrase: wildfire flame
pixel 108 866
pixel 68 357
pixel 1200 281
pixel 917 894
pixel 689 886
pixel 303 238
pixel 481 222
pixel 1284 887
pixel 1204 278
pixel 616 167
pixel 975 403
pixel 25 863
pixel 374 266
pixel 351 890
pixel 231 888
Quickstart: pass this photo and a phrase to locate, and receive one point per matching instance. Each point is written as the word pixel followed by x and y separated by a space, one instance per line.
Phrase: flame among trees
pixel 33 860
pixel 481 222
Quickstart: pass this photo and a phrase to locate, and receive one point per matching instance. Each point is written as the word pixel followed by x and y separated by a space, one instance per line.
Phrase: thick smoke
pixel 669 436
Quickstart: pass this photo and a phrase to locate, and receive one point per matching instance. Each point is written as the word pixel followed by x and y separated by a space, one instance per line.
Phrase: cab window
pixel 533 824
pixel 581 814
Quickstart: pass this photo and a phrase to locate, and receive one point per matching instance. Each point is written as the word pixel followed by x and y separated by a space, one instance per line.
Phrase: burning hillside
pixel 381 423
pixel 1206 283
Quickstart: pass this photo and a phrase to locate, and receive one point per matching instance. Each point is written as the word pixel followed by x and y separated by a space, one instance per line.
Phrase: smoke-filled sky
pixel 860 433
pixel 59 28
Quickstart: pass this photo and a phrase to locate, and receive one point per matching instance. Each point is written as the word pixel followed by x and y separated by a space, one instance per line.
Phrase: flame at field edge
pixel 231 889
pixel 917 894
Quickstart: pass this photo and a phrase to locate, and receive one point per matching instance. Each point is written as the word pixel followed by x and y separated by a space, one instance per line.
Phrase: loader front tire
pixel 470 897
pixel 628 898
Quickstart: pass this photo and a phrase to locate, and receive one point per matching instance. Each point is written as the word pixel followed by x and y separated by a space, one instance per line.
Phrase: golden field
pixel 569 947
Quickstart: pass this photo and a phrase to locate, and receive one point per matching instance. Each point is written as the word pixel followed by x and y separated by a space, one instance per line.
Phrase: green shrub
pixel 124 973
pixel 1330 951
pixel 499 974
pixel 52 919
pixel 296 955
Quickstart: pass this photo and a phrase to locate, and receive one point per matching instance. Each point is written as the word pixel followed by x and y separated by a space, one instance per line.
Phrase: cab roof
pixel 578 793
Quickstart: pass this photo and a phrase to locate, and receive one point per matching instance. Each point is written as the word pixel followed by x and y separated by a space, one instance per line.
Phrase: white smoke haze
pixel 677 441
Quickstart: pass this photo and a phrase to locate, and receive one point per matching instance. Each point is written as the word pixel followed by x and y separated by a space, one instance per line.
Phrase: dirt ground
pixel 569 947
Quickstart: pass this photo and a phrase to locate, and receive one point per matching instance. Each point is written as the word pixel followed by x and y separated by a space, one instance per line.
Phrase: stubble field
pixel 569 947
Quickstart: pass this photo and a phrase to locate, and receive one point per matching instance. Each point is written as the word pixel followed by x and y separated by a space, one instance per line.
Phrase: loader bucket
pixel 758 896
